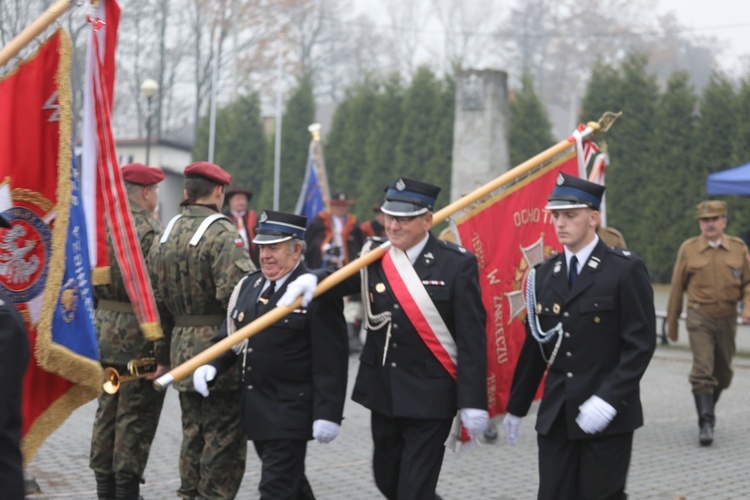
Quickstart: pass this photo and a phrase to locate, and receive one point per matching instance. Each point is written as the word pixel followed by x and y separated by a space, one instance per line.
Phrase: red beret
pixel 210 171
pixel 138 173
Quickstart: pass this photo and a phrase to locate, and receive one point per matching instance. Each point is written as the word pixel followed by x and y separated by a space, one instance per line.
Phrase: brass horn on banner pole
pixel 137 368
pixel 274 315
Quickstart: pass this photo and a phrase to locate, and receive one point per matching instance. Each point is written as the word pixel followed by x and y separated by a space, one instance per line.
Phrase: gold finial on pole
pixel 315 131
pixel 604 123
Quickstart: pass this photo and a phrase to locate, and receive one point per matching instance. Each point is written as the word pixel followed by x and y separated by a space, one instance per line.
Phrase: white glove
pixel 325 431
pixel 304 286
pixel 474 421
pixel 595 415
pixel 511 423
pixel 201 377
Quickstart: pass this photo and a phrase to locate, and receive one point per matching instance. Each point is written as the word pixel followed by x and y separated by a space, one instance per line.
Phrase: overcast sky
pixel 727 20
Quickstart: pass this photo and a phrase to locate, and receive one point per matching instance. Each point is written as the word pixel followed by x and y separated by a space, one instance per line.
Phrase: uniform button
pixel 286 320
pixel 394 345
pixel 393 364
pixel 249 368
pixel 396 306
pixel 566 314
pixel 567 334
pixel 568 354
pixel 395 326
pixel 249 387
pixel 569 375
pixel 301 394
pixel 249 350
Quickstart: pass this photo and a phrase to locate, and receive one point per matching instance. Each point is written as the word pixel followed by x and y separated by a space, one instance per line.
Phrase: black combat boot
pixel 704 403
pixel 105 486
pixel 128 489
pixel 717 393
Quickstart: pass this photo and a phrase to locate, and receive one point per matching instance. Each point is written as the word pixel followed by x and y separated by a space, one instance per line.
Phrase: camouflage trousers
pixel 124 427
pixel 214 446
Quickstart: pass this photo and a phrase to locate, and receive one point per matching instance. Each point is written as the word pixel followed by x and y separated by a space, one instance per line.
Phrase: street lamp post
pixel 149 88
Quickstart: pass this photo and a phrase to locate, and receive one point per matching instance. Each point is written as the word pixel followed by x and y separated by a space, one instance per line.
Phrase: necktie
pixel 573 275
pixel 260 306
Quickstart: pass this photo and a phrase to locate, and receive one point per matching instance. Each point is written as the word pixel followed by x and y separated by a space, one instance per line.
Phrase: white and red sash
pixel 419 308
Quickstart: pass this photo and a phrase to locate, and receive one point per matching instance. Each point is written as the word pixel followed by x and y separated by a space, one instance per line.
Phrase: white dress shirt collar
pixel 582 255
pixel 414 251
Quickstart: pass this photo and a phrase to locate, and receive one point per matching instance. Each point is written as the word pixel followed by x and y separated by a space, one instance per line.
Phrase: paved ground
pixel 667 463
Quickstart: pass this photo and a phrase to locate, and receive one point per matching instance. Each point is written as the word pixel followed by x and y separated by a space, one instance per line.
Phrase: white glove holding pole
pixel 595 415
pixel 201 377
pixel 304 285
pixel 474 421
pixel 511 423
pixel 325 431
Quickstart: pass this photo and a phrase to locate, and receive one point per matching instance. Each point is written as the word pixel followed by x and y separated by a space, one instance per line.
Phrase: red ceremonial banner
pixel 511 233
pixel 37 193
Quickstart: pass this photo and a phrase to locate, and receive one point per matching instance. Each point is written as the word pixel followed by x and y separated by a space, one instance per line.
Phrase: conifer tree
pixel 380 147
pixel 530 128
pixel 674 185
pixel 414 151
pixel 239 146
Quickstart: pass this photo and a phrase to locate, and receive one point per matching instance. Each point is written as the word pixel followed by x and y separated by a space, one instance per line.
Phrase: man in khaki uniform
pixel 713 269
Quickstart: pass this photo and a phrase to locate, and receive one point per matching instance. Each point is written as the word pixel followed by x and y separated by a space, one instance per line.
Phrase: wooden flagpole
pixel 247 331
pixel 33 30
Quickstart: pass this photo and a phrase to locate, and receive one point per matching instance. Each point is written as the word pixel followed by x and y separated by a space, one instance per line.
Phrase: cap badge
pixel 342 196
pixel 400 184
pixel 263 217
pixel 380 288
pixel 560 179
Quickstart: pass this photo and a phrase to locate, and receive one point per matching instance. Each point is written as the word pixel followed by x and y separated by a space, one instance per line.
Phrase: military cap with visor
pixel 409 198
pixel 573 192
pixel 277 227
pixel 711 208
pixel 143 175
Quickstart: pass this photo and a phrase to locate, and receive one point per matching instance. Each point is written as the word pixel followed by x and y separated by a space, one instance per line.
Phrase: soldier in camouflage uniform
pixel 195 265
pixel 126 421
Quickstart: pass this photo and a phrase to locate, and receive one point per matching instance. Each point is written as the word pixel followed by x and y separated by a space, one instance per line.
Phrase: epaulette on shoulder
pixel 621 252
pixel 735 239
pixel 223 223
pixel 452 246
pixel 548 259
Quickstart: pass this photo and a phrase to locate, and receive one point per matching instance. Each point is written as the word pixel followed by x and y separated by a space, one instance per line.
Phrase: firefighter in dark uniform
pixel 294 372
pixel 591 320
pixel 415 391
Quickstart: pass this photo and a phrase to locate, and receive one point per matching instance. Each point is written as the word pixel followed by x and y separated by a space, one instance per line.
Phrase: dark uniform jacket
pixel 609 336
pixel 413 383
pixel 296 370
pixel 14 354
